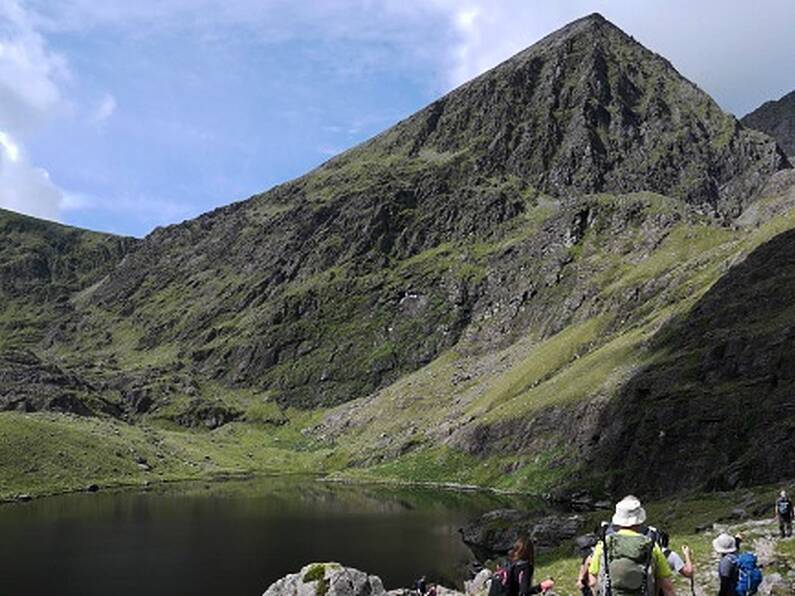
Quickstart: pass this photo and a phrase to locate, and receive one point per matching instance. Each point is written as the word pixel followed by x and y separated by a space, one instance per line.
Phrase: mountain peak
pixel 776 118
pixel 589 109
pixel 595 19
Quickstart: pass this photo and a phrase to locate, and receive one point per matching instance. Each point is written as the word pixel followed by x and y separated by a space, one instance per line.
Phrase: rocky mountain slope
pixel 776 118
pixel 505 288
pixel 43 266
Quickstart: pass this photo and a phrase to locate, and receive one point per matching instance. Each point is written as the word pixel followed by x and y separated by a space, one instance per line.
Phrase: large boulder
pixel 327 579
pixel 493 534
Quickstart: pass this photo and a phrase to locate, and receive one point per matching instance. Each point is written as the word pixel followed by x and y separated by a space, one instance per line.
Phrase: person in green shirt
pixel 636 564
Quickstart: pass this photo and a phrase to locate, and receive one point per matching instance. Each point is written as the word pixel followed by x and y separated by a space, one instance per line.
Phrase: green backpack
pixel 628 565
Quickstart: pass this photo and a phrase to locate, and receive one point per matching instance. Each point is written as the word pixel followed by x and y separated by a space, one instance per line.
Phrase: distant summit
pixel 776 118
pixel 589 109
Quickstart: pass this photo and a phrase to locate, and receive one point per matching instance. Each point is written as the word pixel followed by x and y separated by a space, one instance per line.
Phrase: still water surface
pixel 231 538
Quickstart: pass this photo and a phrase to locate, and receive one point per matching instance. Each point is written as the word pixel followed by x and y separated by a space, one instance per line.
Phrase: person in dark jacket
pixel 784 511
pixel 523 559
pixel 728 573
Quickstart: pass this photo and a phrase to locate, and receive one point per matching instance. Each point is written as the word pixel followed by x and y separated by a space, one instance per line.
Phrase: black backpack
pixel 503 581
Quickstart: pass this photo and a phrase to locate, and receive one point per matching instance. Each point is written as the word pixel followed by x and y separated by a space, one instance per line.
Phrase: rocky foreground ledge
pixel 333 579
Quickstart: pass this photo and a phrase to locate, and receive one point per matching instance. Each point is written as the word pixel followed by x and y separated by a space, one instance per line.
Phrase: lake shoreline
pixel 22 498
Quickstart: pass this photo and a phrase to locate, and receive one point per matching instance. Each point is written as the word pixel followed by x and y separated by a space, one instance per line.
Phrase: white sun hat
pixel 629 512
pixel 724 544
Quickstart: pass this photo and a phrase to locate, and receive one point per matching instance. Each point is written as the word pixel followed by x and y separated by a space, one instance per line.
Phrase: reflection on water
pixel 231 538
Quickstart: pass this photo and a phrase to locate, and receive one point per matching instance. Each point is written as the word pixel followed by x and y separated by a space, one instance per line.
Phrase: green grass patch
pixel 51 453
pixel 541 363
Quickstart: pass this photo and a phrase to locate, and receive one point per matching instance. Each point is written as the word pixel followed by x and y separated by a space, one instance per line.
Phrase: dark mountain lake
pixel 232 538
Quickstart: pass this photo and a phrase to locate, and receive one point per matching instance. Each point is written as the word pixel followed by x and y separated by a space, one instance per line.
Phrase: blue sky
pixel 122 116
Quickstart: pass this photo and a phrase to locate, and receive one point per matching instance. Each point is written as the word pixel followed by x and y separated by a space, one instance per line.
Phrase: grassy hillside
pixel 518 418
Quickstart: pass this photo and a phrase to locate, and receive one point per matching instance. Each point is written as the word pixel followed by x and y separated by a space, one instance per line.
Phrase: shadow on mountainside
pixel 716 409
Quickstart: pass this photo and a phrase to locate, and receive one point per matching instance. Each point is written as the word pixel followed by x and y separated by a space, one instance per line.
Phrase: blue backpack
pixel 749 575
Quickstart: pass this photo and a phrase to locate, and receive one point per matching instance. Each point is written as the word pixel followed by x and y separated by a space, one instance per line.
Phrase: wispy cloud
pixel 104 109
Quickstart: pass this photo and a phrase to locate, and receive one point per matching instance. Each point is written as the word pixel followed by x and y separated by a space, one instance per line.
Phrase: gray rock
pixel 493 534
pixel 327 579
pixel 479 584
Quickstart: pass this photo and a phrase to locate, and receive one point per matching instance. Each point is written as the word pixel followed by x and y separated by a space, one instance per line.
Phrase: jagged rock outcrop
pixel 29 384
pixel 776 118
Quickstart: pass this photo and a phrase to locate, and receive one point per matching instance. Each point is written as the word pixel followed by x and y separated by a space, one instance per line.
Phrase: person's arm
pixel 592 580
pixel 582 578
pixel 688 569
pixel 666 586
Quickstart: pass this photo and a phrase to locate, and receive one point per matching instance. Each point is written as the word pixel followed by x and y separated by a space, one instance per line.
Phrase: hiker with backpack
pixel 739 573
pixel 784 513
pixel 627 562
pixel 516 577
pixel 684 567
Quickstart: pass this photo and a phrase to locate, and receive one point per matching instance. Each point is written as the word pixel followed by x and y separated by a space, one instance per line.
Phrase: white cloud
pixel 30 73
pixel 10 149
pixel 24 187
pixel 29 94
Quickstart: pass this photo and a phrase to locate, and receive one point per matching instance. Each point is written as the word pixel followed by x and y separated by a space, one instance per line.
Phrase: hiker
pixel 728 573
pixel 586 552
pixel 784 514
pixel 684 568
pixel 628 562
pixel 421 586
pixel 516 578
pixel 739 574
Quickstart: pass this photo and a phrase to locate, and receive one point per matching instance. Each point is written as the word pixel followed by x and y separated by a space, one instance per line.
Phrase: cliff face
pixel 496 264
pixel 776 118
pixel 42 266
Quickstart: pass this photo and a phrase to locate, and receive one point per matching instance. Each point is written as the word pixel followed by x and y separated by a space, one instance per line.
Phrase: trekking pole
pixel 607 589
